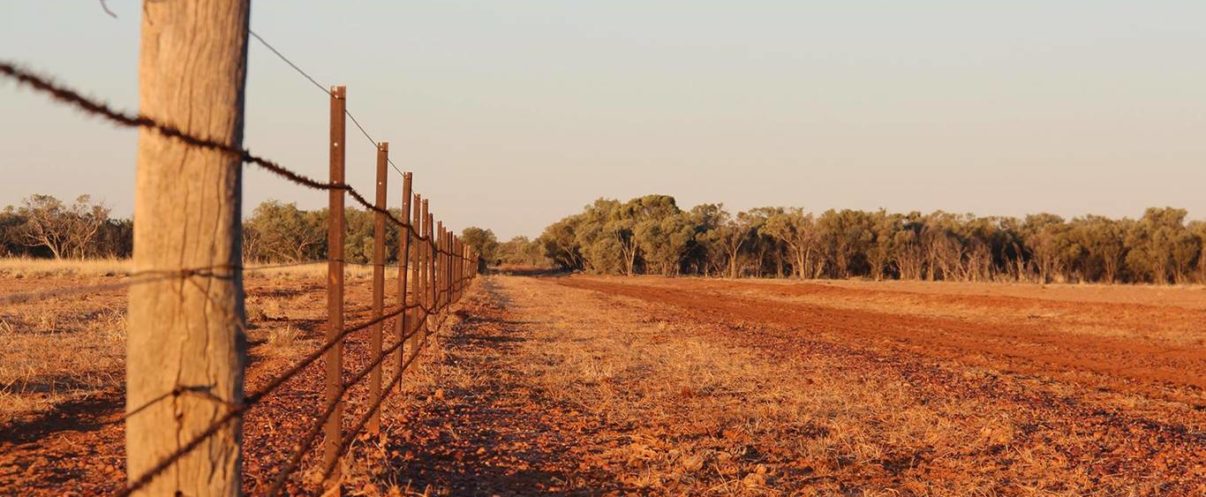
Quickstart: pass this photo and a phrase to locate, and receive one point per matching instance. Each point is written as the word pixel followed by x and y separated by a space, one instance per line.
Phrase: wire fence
pixel 434 269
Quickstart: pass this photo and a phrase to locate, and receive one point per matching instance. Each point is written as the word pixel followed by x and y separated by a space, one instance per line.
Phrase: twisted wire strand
pixel 251 400
pixel 311 435
pixel 94 107
pixel 97 108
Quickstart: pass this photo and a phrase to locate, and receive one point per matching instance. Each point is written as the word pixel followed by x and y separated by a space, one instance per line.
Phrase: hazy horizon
pixel 513 117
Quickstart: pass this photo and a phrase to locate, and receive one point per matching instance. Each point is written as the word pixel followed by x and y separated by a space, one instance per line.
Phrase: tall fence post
pixel 404 265
pixel 425 255
pixel 186 332
pixel 416 286
pixel 441 264
pixel 376 334
pixel 332 437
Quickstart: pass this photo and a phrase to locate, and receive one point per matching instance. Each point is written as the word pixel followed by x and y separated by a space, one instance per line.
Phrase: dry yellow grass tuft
pixel 26 267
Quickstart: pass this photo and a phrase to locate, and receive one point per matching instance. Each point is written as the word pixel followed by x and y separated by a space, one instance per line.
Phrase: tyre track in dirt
pixel 476 427
pixel 1133 366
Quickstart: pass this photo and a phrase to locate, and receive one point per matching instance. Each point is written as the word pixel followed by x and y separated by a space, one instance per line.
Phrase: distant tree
pixel 66 231
pixel 908 253
pixel 881 254
pixel 665 240
pixel 662 233
pixel 1162 249
pixel 1198 229
pixel 730 235
pixel 845 236
pixel 1104 243
pixel 483 242
pixel 705 256
pixel 11 239
pixel 521 251
pixel 280 232
pixel 765 250
pixel 115 239
pixel 560 243
pixel 1046 236
pixel 795 229
pixel 358 237
pixel 605 238
pixel 651 234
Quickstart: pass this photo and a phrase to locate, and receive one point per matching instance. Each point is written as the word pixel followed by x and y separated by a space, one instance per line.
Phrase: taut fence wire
pixel 434 269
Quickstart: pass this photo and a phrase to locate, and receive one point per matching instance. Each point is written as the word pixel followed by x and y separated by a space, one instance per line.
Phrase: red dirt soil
pixel 575 386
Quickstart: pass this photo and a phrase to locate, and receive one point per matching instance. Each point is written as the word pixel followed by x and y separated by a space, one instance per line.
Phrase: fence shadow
pixel 87 414
pixel 490 436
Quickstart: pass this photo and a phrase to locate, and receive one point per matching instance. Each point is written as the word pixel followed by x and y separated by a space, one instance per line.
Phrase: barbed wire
pixel 347 440
pixel 142 277
pixel 328 410
pixel 441 298
pixel 102 109
pixel 251 400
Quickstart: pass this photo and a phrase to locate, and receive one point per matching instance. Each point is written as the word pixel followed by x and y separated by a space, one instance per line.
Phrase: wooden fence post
pixel 332 437
pixel 186 333
pixel 376 334
pixel 403 322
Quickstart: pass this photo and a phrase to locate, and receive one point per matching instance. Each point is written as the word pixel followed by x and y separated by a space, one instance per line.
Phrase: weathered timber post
pixel 186 347
pixel 332 438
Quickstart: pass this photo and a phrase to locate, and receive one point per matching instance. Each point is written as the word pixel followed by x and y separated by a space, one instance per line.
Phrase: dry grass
pixel 610 395
pixel 61 350
pixel 25 267
pixel 709 416
pixel 20 267
pixel 51 357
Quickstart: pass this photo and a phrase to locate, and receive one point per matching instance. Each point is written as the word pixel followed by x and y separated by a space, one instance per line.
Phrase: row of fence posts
pixel 429 280
pixel 186 349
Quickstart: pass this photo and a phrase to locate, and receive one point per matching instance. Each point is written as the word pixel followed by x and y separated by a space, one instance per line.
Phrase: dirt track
pixel 676 387
pixel 647 386
pixel 1022 343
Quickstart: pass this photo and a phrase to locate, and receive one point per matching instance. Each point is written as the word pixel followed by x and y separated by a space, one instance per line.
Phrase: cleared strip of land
pixel 695 387
pixel 650 386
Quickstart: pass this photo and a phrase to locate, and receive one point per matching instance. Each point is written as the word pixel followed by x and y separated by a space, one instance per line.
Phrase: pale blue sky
pixel 515 113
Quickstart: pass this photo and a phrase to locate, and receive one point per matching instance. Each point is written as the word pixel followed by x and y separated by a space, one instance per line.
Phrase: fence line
pixel 434 267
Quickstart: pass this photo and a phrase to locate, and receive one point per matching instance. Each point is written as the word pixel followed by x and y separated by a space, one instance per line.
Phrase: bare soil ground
pixel 597 386
pixel 647 386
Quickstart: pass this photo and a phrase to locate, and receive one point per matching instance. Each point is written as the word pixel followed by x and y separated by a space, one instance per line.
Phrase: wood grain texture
pixel 187 334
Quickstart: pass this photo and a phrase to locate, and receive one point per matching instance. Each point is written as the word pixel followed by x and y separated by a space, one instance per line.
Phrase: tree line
pixel 46 227
pixel 275 232
pixel 652 235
